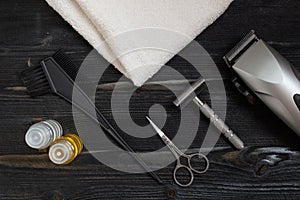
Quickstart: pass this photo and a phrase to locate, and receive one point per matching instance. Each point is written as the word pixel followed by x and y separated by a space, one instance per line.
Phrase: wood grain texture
pixel 31 29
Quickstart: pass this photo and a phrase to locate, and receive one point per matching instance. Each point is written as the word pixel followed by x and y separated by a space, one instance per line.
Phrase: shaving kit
pixel 258 71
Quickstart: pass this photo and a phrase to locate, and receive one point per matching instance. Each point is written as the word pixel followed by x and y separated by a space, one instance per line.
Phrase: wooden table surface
pixel 263 170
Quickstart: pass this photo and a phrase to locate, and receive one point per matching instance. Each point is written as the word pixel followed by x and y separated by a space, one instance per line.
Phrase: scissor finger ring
pixel 199 157
pixel 182 167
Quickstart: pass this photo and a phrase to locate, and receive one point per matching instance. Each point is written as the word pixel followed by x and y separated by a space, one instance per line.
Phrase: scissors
pixel 179 154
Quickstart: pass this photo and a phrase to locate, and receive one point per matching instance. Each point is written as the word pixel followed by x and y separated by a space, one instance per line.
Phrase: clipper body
pixel 269 76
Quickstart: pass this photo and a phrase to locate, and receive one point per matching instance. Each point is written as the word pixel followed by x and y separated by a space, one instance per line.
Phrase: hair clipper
pixel 269 76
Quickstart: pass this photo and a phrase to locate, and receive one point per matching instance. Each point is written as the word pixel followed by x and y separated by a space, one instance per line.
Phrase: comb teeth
pixel 66 64
pixel 36 81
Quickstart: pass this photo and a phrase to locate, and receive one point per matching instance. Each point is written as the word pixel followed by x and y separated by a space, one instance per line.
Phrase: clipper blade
pixel 240 48
pixel 233 56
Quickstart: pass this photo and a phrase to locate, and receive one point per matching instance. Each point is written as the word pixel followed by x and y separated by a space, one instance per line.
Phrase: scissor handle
pixel 183 167
pixel 199 156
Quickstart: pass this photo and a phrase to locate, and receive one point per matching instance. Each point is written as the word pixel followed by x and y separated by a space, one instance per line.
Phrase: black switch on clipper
pixel 297 100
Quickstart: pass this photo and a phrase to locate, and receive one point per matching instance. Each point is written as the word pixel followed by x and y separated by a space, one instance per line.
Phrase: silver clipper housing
pixel 269 76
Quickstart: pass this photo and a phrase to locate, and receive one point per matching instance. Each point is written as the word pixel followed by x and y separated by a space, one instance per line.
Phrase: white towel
pixel 119 29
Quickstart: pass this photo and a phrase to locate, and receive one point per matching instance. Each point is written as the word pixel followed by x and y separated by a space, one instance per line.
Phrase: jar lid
pixel 38 136
pixel 61 152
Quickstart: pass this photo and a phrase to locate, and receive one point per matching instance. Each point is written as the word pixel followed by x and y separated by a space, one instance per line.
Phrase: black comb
pixel 64 61
pixel 52 76
pixel 34 78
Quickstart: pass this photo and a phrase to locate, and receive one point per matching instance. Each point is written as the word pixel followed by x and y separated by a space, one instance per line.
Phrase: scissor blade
pixel 160 133
pixel 166 140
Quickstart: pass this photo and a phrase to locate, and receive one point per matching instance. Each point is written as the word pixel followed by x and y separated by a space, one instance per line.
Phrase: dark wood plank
pixel 264 172
pixel 31 29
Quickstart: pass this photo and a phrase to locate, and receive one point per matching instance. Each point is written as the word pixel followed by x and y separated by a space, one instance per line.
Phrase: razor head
pixel 189 94
pixel 233 55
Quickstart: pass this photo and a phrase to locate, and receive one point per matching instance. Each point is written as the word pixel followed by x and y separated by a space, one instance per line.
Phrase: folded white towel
pixel 119 30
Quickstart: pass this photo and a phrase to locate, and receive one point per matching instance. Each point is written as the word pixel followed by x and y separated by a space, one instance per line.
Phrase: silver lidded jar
pixel 42 134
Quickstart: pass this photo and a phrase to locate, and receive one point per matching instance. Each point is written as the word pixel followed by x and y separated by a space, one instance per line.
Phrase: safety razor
pixel 188 96
pixel 269 76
